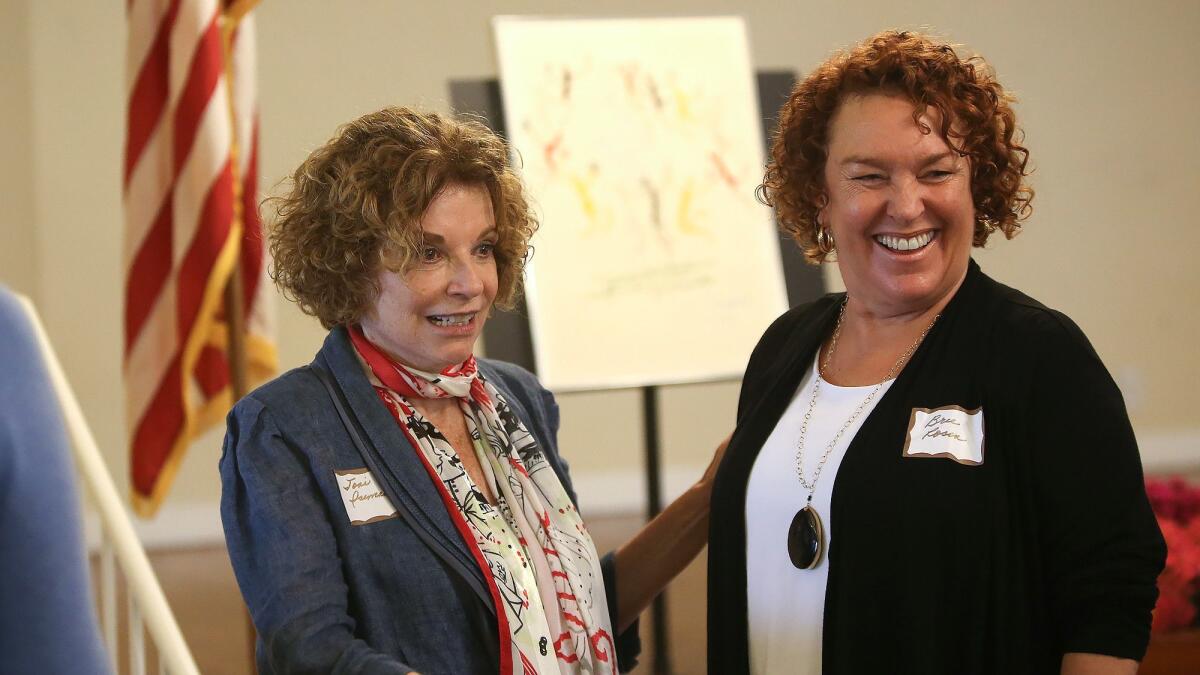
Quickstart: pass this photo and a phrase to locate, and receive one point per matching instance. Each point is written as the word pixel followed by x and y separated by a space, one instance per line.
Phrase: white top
pixel 786 605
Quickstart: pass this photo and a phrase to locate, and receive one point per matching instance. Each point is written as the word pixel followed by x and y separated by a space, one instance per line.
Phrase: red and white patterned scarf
pixel 540 562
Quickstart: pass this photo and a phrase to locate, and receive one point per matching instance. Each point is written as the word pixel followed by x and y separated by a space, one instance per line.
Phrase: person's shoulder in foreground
pixel 47 624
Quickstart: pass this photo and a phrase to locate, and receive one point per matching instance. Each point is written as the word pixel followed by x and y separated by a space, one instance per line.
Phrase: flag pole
pixel 235 353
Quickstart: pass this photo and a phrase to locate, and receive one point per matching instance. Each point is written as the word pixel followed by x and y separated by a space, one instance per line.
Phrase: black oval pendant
pixel 806 539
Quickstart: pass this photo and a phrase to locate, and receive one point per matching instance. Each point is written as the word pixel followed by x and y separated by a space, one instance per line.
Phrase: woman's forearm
pixel 1097 664
pixel 659 551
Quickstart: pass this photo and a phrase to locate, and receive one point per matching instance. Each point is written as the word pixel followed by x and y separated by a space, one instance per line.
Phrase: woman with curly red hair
pixel 398 505
pixel 932 473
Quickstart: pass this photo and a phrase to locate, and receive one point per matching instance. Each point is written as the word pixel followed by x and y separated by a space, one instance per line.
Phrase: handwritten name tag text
pixel 365 502
pixel 951 432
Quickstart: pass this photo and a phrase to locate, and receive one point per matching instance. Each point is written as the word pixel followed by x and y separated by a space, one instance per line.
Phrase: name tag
pixel 365 501
pixel 952 432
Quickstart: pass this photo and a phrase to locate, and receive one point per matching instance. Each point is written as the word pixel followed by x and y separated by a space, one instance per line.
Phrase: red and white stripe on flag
pixel 191 216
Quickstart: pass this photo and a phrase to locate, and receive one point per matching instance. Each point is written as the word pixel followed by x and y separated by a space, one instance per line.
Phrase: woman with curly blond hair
pixel 932 473
pixel 398 505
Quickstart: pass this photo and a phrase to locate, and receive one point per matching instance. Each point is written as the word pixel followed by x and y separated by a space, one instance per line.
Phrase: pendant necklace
pixel 806 536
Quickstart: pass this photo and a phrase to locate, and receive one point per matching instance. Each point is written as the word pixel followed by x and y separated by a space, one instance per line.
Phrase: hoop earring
pixel 825 243
pixel 988 224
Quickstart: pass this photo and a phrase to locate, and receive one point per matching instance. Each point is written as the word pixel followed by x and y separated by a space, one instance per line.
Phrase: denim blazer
pixel 391 596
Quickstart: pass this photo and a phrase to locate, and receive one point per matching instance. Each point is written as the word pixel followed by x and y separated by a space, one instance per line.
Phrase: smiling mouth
pixel 451 320
pixel 906 244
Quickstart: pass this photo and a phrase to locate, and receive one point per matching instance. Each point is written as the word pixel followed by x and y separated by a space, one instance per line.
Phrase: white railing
pixel 120 547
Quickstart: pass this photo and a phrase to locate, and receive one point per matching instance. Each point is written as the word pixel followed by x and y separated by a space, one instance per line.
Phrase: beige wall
pixel 1109 103
pixel 17 234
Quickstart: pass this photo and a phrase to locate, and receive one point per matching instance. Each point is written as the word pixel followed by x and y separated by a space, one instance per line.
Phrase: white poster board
pixel 640 142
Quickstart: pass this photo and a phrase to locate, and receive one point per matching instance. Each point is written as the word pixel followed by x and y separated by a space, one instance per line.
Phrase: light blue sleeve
pixel 47 619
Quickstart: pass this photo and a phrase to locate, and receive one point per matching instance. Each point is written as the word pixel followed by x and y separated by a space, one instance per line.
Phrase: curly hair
pixel 977 120
pixel 355 205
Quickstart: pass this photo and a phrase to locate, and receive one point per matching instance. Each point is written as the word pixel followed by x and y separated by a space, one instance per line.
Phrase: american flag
pixel 191 219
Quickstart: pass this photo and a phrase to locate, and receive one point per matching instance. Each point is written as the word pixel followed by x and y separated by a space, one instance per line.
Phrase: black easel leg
pixel 662 650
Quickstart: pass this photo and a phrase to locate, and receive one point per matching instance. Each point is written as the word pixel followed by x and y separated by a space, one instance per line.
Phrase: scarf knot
pixel 456 381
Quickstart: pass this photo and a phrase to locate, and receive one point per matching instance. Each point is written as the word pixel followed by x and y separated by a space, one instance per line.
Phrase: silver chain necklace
pixel 806 536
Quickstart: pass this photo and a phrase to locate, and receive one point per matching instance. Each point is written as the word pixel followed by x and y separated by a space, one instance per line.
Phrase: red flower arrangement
pixel 1177 506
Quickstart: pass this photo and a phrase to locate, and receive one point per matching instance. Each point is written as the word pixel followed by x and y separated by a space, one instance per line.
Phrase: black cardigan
pixel 1047 547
